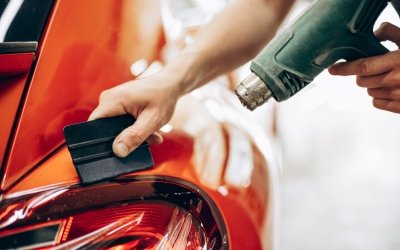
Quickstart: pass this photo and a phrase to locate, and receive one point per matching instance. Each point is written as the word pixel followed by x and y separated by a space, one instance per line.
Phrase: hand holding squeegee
pixel 90 145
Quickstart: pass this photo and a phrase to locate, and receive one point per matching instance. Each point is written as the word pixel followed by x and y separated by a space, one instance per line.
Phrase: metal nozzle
pixel 253 92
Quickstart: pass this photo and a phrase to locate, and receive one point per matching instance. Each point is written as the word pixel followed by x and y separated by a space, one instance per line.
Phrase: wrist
pixel 184 72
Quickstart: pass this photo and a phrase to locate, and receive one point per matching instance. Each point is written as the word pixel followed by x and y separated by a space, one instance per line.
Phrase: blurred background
pixel 339 156
pixel 340 161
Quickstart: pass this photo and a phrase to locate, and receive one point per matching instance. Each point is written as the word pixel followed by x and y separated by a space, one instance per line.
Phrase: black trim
pixel 17 47
pixel 29 22
pixel 38 237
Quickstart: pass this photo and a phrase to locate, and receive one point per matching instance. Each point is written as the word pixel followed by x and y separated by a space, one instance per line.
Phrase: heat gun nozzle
pixel 253 92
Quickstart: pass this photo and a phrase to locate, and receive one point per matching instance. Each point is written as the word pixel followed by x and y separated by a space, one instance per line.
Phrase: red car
pixel 212 186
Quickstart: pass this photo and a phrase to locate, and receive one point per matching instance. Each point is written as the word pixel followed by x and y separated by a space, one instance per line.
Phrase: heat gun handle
pixel 372 46
pixel 356 48
pixel 368 46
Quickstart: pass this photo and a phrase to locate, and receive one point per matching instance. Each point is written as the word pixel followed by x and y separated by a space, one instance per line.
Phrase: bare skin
pixel 248 24
pixel 379 74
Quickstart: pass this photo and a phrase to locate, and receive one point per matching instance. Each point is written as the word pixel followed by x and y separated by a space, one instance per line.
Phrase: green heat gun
pixel 328 30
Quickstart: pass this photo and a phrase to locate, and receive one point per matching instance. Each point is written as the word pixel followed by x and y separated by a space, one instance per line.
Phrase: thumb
pixel 131 138
pixel 388 32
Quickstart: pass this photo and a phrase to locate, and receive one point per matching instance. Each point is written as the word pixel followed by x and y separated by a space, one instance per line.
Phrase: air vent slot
pixel 371 11
pixel 292 82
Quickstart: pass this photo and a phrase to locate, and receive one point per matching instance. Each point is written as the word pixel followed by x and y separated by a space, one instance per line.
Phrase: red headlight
pixel 134 215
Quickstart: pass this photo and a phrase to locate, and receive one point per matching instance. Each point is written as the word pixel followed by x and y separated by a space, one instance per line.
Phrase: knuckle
pixel 384 29
pixel 381 28
pixel 385 26
pixel 393 82
pixel 387 81
pixel 159 115
pixel 159 119
pixel 394 94
pixel 365 66
pixel 135 136
pixel 104 94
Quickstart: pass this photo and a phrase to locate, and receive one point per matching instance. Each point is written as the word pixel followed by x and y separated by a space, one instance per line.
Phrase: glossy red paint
pixel 15 64
pixel 244 207
pixel 13 75
pixel 81 55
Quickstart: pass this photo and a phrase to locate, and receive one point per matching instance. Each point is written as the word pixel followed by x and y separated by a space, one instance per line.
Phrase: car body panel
pixel 240 187
pixel 89 49
pixel 14 70
pixel 15 64
pixel 211 141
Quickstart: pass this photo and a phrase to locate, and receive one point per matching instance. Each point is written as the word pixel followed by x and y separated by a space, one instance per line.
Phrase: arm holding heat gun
pixel 327 31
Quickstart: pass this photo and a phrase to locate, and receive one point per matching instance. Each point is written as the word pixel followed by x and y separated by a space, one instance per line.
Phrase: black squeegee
pixel 90 146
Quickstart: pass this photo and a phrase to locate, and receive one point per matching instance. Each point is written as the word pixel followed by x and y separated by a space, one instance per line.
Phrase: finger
pixel 379 93
pixel 392 106
pixel 107 110
pixel 108 106
pixel 130 138
pixel 385 93
pixel 388 32
pixel 376 81
pixel 364 67
pixel 96 114
pixel 154 139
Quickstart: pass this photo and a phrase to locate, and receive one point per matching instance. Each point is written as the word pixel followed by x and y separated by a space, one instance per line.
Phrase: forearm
pixel 231 39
